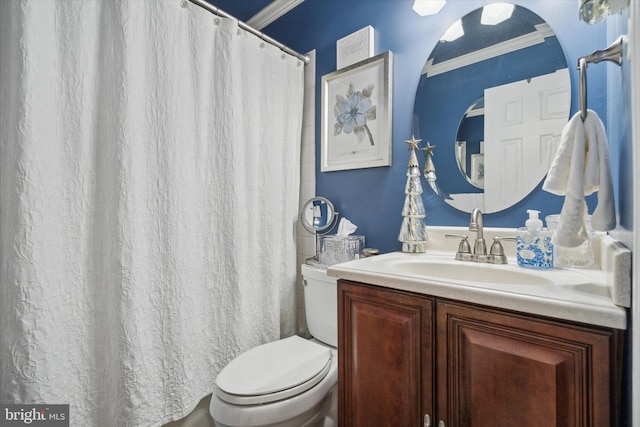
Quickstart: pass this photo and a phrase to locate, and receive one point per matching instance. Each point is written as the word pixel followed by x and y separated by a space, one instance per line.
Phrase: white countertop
pixel 580 295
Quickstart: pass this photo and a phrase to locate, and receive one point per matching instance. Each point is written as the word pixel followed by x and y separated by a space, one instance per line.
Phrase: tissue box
pixel 336 249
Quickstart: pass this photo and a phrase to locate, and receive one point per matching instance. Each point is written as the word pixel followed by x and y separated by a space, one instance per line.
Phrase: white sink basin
pixel 470 273
pixel 443 269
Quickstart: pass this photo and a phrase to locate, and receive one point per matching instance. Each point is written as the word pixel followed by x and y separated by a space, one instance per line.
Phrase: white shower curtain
pixel 149 174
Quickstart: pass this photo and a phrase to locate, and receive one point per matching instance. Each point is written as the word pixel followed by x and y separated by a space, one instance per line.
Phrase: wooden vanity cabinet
pixel 385 357
pixel 503 369
pixel 403 356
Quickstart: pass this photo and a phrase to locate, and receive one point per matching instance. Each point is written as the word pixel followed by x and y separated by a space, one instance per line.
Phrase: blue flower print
pixel 353 111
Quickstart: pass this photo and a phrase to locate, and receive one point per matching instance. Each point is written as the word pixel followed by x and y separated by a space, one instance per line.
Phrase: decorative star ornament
pixel 413 143
pixel 428 150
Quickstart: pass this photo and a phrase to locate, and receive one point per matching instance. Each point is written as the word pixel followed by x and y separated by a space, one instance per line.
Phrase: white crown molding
pixel 270 13
pixel 542 31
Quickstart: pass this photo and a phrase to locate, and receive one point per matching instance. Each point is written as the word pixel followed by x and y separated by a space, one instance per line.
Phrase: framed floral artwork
pixel 356 115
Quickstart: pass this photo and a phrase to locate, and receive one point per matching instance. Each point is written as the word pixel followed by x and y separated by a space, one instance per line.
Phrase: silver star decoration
pixel 428 150
pixel 413 143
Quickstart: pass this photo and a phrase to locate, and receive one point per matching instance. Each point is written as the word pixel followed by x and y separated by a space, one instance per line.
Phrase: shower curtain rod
pixel 266 38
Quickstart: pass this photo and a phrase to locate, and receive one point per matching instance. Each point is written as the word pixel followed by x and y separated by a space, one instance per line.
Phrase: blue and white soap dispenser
pixel 534 248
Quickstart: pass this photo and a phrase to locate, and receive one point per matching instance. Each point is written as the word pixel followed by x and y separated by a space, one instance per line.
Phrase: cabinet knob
pixel 427 420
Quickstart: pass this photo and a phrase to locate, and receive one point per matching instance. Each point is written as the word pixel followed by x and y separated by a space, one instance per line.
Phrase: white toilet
pixel 291 382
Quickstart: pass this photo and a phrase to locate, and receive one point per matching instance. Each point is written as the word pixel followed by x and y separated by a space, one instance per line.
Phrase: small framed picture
pixel 355 47
pixel 356 115
pixel 477 170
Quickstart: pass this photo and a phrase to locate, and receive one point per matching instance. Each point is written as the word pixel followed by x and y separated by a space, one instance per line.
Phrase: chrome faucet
pixel 496 256
pixel 476 224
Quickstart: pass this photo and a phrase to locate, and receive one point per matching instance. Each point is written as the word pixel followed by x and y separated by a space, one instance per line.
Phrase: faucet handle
pixel 497 251
pixel 496 247
pixel 464 247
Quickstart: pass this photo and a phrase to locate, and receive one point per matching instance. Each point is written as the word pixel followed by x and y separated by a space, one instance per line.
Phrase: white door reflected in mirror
pixel 523 122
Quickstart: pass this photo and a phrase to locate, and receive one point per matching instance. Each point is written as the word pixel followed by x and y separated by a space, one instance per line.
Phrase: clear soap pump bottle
pixel 534 248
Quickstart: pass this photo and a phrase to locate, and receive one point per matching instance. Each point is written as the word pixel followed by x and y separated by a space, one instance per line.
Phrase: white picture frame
pixel 356 115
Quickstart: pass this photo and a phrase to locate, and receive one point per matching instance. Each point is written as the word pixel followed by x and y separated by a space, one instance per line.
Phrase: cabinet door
pixel 503 370
pixel 385 357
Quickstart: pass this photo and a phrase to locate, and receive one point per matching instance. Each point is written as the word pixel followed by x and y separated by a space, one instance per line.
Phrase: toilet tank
pixel 321 304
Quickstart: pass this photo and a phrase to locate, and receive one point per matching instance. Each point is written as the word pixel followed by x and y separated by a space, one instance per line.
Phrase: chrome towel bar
pixel 613 53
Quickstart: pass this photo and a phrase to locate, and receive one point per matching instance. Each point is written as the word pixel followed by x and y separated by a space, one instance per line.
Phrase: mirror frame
pixel 306 216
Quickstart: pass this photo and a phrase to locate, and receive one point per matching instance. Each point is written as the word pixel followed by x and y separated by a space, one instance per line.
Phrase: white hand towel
pixel 580 167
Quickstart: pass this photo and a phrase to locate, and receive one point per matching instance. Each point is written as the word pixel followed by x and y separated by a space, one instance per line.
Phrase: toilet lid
pixel 273 371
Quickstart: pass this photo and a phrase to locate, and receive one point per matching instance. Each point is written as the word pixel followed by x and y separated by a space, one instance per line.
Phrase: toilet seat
pixel 274 371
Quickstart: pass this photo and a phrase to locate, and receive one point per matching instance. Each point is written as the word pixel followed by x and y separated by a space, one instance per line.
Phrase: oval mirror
pixel 493 98
pixel 318 215
pixel 470 144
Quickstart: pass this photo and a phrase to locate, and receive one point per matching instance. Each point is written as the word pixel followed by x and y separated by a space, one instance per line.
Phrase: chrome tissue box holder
pixel 335 249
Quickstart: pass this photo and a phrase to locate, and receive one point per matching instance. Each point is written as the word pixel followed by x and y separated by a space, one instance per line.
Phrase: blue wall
pixel 620 142
pixel 373 198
